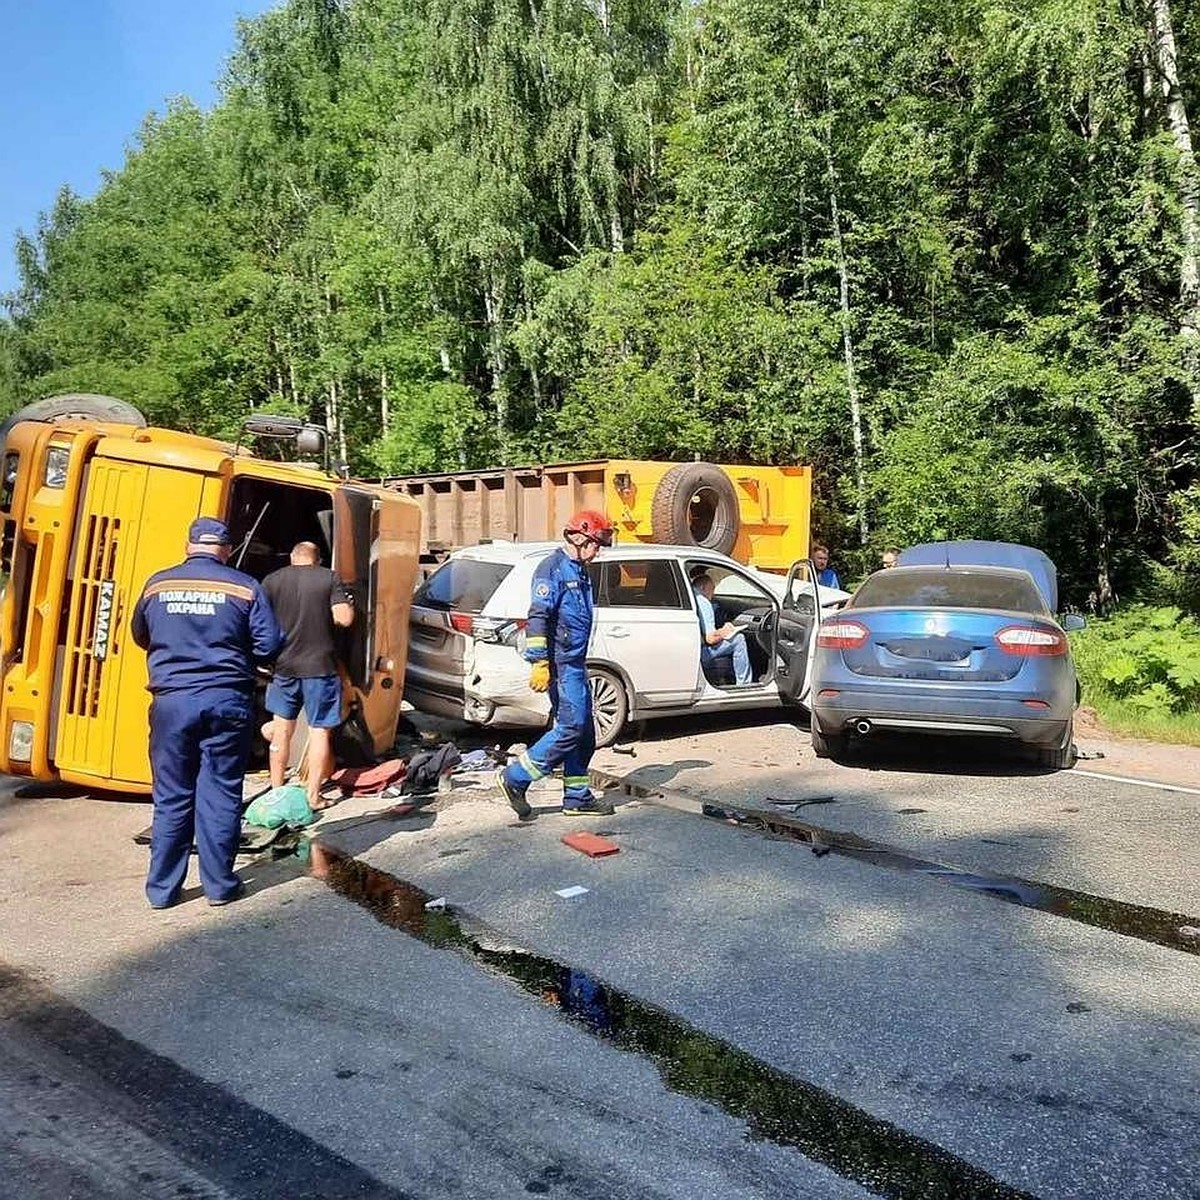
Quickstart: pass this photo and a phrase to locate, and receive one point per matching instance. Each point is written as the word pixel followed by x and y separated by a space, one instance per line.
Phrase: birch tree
pixel 1166 59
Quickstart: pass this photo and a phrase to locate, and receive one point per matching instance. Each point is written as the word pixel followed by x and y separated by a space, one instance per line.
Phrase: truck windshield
pixel 8 481
pixel 267 518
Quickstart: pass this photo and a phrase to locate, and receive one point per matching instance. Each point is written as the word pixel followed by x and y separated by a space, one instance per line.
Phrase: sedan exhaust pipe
pixel 862 728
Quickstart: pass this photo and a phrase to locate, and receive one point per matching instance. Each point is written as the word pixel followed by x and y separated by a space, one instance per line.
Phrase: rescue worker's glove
pixel 539 676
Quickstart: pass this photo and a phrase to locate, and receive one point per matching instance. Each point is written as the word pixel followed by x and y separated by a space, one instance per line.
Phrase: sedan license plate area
pixel 947 651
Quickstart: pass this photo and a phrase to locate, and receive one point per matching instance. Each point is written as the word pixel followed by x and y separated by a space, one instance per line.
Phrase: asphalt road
pixel 722 1014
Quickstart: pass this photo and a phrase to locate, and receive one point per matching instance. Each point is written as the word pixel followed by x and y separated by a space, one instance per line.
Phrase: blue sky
pixel 76 79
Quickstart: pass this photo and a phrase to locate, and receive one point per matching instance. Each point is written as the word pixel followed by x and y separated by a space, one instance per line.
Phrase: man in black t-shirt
pixel 309 602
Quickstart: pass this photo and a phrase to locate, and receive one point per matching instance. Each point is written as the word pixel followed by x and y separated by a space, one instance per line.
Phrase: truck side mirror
pixel 274 426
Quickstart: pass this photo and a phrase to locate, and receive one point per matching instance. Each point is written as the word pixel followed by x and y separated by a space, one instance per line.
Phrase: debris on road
pixel 801 802
pixel 436 902
pixel 569 893
pixel 590 844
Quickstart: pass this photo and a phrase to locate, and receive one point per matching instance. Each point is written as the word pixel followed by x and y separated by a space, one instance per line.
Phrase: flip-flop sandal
pixel 327 797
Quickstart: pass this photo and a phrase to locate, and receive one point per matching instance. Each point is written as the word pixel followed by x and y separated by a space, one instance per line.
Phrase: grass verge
pixel 1118 718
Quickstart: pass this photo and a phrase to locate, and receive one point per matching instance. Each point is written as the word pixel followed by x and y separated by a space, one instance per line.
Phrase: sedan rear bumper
pixel 934 712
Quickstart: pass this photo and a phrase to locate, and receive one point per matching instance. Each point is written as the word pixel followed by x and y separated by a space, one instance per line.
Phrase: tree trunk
pixel 1167 61
pixel 334 425
pixel 856 432
pixel 493 301
pixel 616 232
pixel 385 416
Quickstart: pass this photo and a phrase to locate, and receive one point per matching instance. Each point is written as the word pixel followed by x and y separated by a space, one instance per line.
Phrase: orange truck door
pixel 376 552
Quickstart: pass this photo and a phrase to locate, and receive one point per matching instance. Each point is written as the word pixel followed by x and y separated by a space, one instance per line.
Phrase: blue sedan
pixel 958 638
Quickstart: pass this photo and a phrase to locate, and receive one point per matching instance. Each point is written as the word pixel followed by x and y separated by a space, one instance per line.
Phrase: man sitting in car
pixel 718 642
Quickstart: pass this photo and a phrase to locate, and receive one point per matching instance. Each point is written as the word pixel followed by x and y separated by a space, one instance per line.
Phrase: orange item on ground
pixel 590 844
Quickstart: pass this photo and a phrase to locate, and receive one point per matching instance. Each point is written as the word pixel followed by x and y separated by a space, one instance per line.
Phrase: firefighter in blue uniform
pixel 205 627
pixel 556 642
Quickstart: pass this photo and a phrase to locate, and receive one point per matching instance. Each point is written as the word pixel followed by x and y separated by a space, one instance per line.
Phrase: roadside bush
pixel 1146 658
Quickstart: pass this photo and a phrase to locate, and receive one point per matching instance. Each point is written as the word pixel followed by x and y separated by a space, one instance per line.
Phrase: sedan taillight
pixel 1029 641
pixel 841 634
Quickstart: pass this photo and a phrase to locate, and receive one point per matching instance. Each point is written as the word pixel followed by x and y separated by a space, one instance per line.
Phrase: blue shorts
pixel 320 697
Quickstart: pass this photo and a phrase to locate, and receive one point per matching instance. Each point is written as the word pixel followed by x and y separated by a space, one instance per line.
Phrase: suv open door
pixel 796 633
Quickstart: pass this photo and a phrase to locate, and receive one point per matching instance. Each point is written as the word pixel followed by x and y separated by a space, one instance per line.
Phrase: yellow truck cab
pixel 92 507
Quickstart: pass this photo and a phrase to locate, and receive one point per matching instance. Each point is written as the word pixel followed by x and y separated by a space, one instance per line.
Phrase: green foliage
pixel 685 352
pixel 1146 658
pixel 436 429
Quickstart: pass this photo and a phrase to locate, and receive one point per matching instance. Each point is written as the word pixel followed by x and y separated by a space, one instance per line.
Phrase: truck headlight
pixel 20 741
pixel 57 460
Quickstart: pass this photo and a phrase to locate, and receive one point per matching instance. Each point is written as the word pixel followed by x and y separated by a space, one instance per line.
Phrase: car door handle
pixel 618 631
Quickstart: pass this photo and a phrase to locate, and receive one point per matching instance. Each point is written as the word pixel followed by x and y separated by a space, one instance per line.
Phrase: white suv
pixel 466 638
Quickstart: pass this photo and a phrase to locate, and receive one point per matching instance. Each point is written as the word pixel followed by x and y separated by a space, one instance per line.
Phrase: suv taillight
pixel 1029 641
pixel 504 630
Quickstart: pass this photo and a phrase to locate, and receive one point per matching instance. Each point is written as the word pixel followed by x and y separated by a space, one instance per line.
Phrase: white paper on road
pixel 569 893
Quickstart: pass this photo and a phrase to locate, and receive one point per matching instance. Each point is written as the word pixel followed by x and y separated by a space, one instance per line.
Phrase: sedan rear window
pixel 462 585
pixel 938 587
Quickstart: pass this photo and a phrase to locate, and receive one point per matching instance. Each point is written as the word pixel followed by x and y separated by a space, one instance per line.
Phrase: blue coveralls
pixel 559 626
pixel 205 626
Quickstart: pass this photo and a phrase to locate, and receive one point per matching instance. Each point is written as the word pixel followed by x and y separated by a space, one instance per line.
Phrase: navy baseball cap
pixel 208 531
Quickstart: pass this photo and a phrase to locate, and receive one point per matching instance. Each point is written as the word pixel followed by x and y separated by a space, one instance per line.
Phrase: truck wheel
pixel 696 505
pixel 610 705
pixel 84 405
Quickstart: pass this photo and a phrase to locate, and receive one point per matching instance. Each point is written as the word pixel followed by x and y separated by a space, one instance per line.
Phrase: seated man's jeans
pixel 735 646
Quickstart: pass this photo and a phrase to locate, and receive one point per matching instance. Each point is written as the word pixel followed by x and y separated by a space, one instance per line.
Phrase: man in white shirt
pixel 717 642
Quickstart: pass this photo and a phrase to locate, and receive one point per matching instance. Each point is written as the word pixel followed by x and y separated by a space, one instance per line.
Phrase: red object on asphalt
pixel 370 781
pixel 590 844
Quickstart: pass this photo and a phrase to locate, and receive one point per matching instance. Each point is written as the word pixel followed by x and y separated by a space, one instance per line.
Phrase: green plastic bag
pixel 287 805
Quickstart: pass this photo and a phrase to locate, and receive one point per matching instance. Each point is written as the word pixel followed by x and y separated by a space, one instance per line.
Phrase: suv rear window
pixel 462 585
pixel 937 587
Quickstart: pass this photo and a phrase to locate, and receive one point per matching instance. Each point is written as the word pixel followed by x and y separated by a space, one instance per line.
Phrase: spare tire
pixel 696 505
pixel 84 405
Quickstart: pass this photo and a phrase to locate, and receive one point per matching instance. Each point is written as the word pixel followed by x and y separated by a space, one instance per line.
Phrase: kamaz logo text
pixel 104 605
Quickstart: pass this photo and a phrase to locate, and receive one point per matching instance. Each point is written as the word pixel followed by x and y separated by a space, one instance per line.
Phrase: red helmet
pixel 594 526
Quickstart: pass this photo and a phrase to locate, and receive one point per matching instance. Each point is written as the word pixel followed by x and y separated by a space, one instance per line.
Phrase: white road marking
pixel 1166 787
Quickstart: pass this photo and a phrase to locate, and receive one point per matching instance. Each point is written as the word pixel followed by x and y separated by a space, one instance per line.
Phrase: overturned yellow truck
pixel 93 502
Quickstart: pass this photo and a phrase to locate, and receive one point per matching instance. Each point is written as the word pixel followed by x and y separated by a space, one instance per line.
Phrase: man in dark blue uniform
pixel 205 626
pixel 556 642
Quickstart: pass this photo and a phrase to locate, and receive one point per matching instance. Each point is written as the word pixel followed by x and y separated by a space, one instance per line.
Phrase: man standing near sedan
pixel 827 577
pixel 205 628
pixel 310 603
